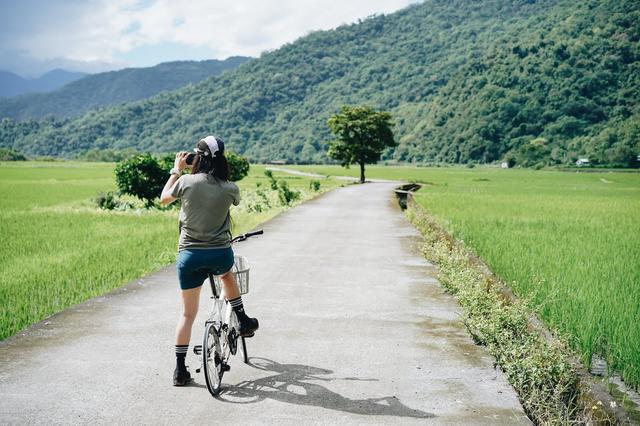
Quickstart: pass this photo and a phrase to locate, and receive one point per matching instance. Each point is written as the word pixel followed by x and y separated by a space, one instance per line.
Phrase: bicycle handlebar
pixel 243 237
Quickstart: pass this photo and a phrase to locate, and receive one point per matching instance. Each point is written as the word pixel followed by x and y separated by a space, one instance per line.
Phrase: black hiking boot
pixel 181 377
pixel 247 325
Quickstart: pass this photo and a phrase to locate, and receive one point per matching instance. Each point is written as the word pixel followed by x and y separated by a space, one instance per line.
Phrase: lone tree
pixel 362 136
pixel 141 176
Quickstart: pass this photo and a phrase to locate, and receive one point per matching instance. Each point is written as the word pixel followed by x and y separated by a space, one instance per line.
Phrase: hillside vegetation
pixel 114 87
pixel 13 85
pixel 541 81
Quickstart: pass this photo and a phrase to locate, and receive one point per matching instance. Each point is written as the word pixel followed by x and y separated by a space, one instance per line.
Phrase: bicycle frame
pixel 224 324
pixel 220 309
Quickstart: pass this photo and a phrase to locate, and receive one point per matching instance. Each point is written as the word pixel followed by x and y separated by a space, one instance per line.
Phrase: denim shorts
pixel 194 265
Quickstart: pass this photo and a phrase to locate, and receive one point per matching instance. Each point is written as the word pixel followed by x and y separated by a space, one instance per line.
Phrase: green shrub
pixel 263 196
pixel 166 161
pixel 238 166
pixel 110 200
pixel 314 185
pixel 141 176
pixel 11 155
pixel 106 200
pixel 272 180
pixel 285 194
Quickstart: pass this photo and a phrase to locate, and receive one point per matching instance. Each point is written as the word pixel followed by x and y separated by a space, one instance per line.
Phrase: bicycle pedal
pixel 226 367
pixel 197 349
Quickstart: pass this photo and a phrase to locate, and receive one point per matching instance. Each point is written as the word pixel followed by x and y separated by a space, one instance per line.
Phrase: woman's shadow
pixel 291 384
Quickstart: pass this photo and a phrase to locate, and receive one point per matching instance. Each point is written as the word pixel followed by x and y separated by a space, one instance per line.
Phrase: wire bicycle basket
pixel 240 270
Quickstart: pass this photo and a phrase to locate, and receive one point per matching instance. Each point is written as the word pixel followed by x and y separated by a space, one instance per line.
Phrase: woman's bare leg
pixel 190 300
pixel 229 286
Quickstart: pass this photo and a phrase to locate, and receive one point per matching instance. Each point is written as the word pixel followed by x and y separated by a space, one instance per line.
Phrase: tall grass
pixel 58 249
pixel 570 241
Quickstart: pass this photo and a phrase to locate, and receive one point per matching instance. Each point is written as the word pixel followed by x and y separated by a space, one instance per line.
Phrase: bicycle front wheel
pixel 212 359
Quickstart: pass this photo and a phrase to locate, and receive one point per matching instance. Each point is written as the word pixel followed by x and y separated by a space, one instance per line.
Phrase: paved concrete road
pixel 354 330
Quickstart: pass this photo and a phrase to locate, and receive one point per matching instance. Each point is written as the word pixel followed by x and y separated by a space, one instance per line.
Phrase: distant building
pixel 583 162
pixel 504 165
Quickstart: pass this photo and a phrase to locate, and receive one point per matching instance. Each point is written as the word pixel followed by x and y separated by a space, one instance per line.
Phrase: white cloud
pixel 245 27
pixel 101 30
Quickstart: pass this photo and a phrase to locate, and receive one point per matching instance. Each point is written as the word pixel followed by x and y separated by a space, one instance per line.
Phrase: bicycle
pixel 221 327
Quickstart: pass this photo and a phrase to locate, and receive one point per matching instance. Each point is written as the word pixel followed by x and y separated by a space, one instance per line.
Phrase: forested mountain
pixel 13 85
pixel 544 81
pixel 114 87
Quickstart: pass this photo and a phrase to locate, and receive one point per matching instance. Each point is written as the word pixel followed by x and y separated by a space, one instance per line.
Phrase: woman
pixel 205 238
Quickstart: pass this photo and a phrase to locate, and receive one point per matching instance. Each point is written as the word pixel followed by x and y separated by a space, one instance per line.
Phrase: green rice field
pixel 58 249
pixel 569 242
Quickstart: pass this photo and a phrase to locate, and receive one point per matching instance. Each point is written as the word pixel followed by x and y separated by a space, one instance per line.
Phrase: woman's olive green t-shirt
pixel 204 216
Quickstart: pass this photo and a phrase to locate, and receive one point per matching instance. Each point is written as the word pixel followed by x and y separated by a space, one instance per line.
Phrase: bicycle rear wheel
pixel 212 359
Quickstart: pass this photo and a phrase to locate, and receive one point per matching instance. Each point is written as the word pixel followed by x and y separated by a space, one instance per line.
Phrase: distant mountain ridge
pixel 14 85
pixel 114 87
pixel 542 81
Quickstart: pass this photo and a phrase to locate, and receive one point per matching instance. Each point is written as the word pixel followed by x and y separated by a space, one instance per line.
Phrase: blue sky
pixel 99 35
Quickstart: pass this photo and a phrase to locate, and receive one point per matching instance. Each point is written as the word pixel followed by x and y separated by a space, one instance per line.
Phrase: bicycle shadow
pixel 291 384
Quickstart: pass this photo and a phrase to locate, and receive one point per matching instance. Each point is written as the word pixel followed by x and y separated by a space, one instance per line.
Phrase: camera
pixel 190 158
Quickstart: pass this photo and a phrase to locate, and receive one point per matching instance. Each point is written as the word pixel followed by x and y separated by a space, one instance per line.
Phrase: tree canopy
pixel 362 135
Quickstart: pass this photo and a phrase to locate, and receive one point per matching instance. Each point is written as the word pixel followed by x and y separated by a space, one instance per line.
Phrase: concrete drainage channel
pixel 404 192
